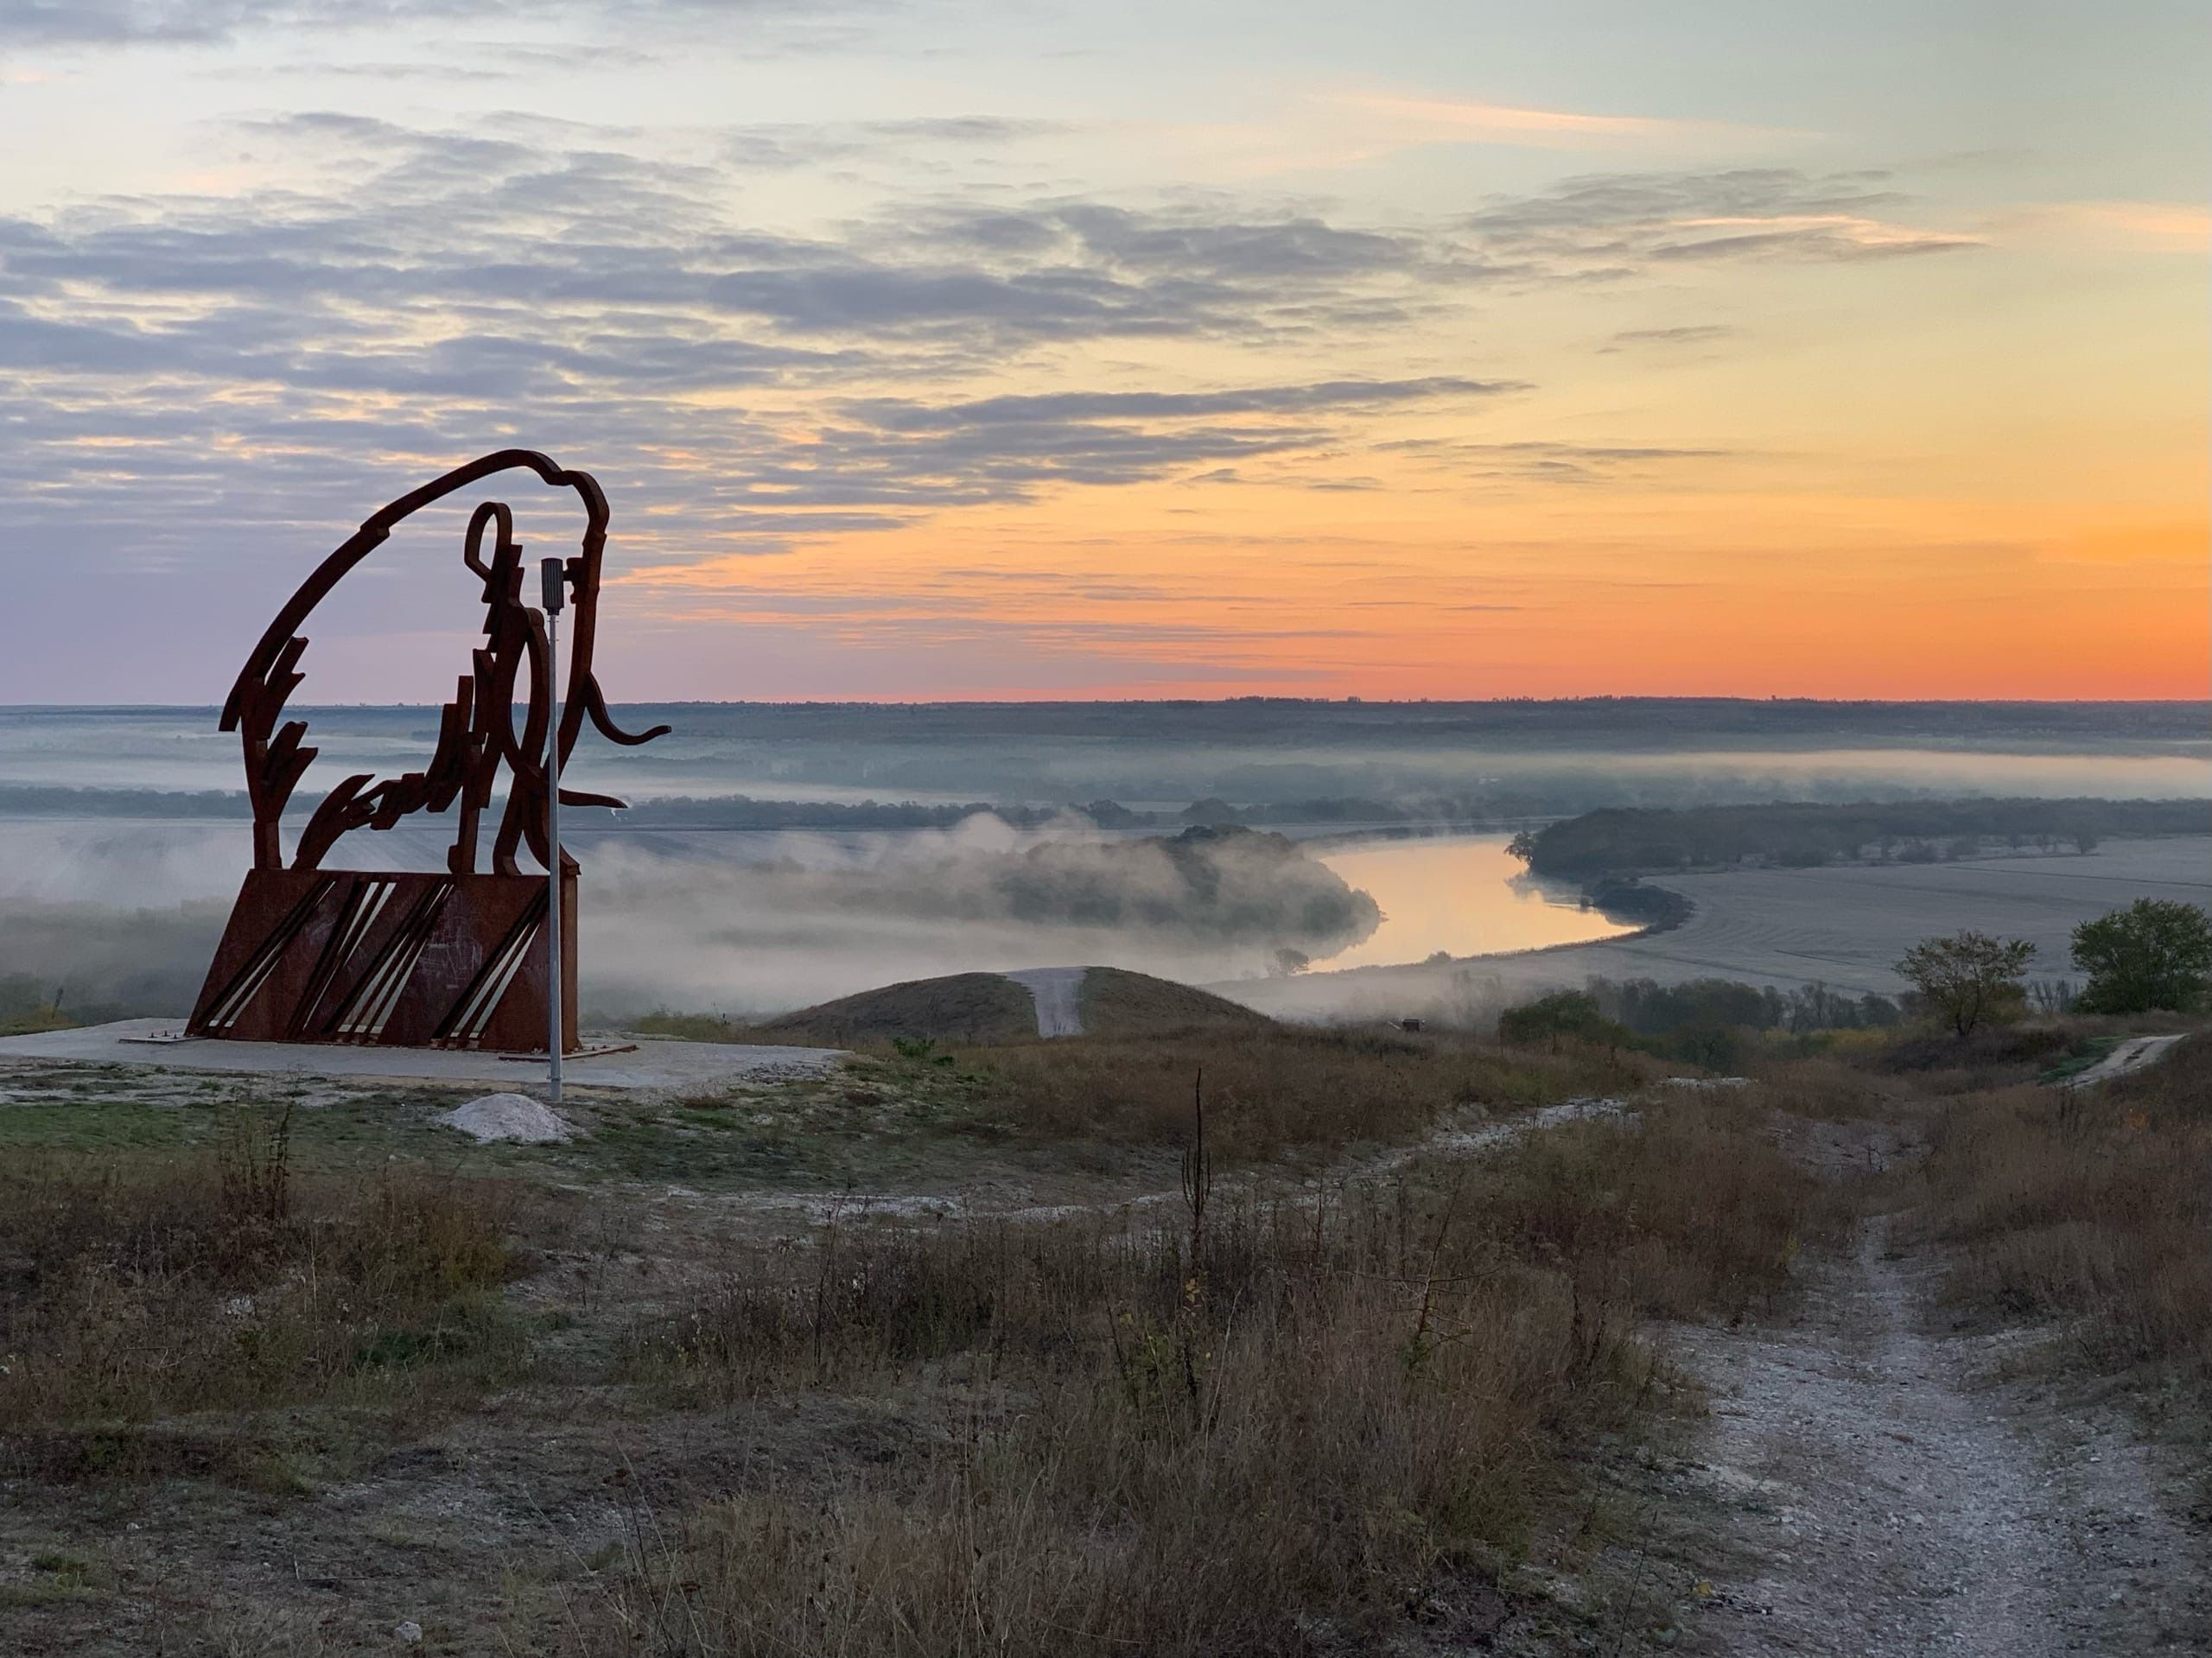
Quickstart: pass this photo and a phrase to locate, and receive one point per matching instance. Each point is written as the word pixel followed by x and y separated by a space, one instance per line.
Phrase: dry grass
pixel 962 1007
pixel 1322 1414
pixel 1280 1090
pixel 2093 1207
pixel 1124 1004
pixel 2000 1056
pixel 1271 1432
pixel 134 1289
pixel 1694 1213
pixel 1827 1086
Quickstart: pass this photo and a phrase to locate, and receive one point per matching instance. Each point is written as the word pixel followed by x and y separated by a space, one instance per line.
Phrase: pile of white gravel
pixel 508 1117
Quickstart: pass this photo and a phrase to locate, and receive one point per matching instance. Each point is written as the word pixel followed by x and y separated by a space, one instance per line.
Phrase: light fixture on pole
pixel 556 574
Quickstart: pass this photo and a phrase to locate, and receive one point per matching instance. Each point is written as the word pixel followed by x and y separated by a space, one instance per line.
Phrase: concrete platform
pixel 655 1063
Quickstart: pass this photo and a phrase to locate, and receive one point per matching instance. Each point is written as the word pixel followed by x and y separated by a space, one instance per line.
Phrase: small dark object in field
pixel 862 1096
pixel 1409 1026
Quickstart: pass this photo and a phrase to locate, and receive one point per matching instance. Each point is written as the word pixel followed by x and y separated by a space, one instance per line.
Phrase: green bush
pixel 2155 953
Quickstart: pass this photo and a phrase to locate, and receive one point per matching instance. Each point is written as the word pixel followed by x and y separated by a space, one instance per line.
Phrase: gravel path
pixel 1887 1504
pixel 2136 1053
pixel 1058 993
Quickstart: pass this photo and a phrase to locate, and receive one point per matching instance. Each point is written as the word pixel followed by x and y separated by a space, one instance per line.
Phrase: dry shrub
pixel 1826 1087
pixel 2000 1056
pixel 2092 1206
pixel 1272 1091
pixel 131 1289
pixel 1692 1212
pixel 1267 1433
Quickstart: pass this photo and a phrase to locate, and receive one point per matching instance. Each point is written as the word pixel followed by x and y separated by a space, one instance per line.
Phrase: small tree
pixel 2155 953
pixel 1969 979
pixel 1570 1013
pixel 1522 846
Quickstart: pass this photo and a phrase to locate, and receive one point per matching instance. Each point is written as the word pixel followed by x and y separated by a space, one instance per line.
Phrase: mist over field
pixel 122 832
pixel 824 917
pixel 127 915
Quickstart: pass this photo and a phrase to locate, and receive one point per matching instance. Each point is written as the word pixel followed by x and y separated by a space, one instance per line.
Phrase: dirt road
pixel 2135 1054
pixel 1878 1498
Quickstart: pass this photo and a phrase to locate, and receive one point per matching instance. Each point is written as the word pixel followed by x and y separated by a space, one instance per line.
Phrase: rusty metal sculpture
pixel 416 959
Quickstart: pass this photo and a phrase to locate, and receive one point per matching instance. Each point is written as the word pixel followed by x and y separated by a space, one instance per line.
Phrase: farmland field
pixel 1842 926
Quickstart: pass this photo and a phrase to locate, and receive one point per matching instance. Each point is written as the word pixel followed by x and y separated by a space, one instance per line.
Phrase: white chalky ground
pixel 652 1064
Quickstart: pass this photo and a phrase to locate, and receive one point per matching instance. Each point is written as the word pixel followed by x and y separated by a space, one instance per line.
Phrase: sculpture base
pixel 389 960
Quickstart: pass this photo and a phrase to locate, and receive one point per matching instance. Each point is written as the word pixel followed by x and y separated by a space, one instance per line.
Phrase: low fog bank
pixel 826 917
pixel 125 920
pixel 99 961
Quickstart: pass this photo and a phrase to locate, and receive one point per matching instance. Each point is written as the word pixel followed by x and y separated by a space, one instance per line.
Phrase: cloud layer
pixel 288 351
pixel 205 22
pixel 204 390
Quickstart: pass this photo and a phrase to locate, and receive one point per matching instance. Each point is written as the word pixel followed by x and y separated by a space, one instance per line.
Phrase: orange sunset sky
pixel 990 351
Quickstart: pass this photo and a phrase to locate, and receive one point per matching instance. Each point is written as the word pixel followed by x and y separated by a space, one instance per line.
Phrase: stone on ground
pixel 508 1117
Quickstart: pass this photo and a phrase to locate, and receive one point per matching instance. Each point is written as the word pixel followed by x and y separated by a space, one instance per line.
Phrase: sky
pixel 934 349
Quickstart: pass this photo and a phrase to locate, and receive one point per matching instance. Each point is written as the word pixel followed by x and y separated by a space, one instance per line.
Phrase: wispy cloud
pixel 1412 119
pixel 1679 335
pixel 452 290
pixel 1618 223
pixel 1543 460
pixel 200 22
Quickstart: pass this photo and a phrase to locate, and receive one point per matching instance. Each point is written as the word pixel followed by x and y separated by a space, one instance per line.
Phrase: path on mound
pixel 1058 992
pixel 1888 1500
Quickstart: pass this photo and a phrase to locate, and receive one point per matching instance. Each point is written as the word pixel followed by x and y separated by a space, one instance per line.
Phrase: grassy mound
pixel 1116 1002
pixel 959 1007
pixel 989 1007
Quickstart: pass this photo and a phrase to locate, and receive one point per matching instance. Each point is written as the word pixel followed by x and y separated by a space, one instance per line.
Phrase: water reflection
pixel 1462 894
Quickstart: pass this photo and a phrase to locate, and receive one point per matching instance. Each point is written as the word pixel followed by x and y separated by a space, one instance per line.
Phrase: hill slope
pixel 1116 1002
pixel 959 1007
pixel 992 1007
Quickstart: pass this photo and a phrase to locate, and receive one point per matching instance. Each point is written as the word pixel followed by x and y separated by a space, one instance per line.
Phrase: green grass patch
pixel 2075 1065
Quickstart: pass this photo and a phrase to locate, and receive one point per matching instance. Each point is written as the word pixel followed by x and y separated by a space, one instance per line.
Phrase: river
pixel 1462 894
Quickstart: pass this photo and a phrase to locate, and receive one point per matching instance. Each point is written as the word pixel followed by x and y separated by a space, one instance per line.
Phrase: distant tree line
pixel 1709 1022
pixel 1625 841
pixel 45 800
pixel 1652 907
pixel 1546 725
pixel 1650 1008
pixel 743 812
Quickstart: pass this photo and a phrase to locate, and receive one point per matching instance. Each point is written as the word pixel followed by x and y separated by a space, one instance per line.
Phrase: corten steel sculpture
pixel 429 959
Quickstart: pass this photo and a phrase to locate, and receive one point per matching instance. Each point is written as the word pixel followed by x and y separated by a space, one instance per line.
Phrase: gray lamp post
pixel 555 572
